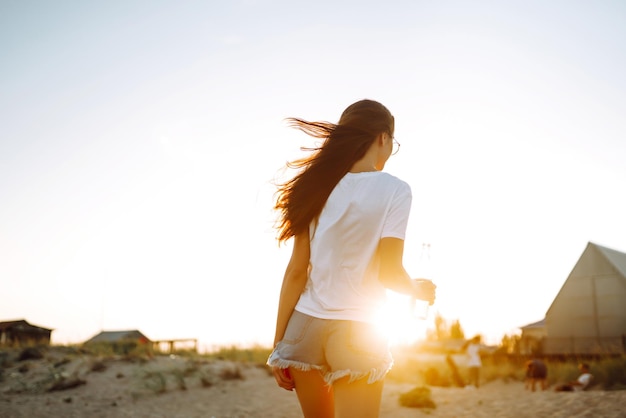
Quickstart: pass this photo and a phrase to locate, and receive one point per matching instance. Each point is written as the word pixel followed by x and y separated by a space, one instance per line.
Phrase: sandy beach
pixel 170 386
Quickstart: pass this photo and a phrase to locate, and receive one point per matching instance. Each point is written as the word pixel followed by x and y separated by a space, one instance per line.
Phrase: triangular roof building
pixel 588 315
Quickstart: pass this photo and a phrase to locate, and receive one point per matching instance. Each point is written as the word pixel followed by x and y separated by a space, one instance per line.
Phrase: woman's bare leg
pixel 474 376
pixel 314 395
pixel 357 398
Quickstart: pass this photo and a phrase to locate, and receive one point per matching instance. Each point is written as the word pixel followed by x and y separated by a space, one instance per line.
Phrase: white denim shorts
pixel 337 348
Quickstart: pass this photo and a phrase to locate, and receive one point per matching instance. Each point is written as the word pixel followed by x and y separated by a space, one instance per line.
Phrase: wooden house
pixel 20 333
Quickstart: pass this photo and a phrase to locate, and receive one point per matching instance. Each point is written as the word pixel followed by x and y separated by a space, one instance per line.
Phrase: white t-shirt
pixel 343 272
pixel 584 380
pixel 473 354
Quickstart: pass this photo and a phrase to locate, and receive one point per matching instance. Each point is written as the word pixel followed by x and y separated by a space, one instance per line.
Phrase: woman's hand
pixel 424 289
pixel 283 378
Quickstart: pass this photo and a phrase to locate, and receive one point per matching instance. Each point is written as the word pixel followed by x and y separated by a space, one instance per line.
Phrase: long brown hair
pixel 301 199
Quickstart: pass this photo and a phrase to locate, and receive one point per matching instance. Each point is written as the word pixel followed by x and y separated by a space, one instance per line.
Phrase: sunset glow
pixel 140 143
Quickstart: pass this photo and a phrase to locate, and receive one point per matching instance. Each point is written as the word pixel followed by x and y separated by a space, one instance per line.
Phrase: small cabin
pixel 20 333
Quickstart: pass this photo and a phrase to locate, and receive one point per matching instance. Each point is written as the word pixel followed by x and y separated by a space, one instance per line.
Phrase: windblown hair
pixel 301 199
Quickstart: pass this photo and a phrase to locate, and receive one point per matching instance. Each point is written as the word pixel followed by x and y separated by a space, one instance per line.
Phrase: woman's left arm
pixel 393 275
pixel 294 281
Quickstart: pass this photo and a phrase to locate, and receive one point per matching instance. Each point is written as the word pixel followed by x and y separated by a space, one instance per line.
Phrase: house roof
pixel 616 258
pixel 115 336
pixel 21 324
pixel 538 324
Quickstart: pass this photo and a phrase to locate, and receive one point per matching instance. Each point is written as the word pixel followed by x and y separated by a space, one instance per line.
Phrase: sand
pixel 179 387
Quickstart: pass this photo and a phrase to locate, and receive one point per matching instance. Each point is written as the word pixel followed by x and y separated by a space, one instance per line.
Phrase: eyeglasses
pixel 396 146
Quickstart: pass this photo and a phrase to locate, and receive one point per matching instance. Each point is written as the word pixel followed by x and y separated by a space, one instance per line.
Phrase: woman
pixel 474 363
pixel 348 221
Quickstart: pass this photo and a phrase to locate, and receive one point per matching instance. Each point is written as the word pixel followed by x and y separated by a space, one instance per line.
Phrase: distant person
pixel 474 363
pixel 348 221
pixel 536 372
pixel 582 383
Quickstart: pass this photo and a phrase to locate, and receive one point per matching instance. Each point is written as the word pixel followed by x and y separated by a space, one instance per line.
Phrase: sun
pixel 398 322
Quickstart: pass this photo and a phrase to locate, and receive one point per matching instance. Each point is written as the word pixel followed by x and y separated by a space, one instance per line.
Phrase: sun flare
pixel 398 321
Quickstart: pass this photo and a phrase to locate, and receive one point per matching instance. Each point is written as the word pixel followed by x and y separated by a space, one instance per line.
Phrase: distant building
pixel 533 338
pixel 120 341
pixel 118 336
pixel 20 333
pixel 588 315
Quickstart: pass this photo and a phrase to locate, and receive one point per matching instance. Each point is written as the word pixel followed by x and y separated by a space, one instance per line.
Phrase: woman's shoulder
pixel 391 179
pixel 379 179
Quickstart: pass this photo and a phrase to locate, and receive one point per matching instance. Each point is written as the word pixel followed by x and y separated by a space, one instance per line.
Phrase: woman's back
pixel 343 280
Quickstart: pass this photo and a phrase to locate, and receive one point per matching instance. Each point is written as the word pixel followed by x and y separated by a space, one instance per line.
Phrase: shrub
pixel 611 373
pixel 98 366
pixel 179 377
pixel 155 382
pixel 419 397
pixel 206 381
pixel 30 353
pixel 231 373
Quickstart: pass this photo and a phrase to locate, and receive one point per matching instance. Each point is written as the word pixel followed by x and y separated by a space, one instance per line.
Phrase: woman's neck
pixel 362 167
pixel 372 160
pixel 367 163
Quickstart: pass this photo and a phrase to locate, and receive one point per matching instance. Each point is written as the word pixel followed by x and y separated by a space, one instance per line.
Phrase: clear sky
pixel 139 141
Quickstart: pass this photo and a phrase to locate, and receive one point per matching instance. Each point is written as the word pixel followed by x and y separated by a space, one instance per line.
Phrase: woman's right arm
pixel 294 281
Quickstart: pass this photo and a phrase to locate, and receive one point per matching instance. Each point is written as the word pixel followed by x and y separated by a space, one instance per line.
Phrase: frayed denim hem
pixel 373 375
pixel 275 361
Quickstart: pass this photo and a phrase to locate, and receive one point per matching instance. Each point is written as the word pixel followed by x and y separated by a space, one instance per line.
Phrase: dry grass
pixel 410 367
pixel 432 370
